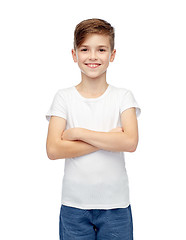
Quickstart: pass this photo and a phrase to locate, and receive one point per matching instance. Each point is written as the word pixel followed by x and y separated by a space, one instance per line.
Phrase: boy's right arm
pixel 58 148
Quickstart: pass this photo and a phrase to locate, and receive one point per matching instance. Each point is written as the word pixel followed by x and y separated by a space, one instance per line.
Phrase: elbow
pixel 51 154
pixel 133 146
pixel 55 151
pixel 51 151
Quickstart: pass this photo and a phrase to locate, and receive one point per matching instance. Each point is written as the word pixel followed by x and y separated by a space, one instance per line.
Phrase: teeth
pixel 93 65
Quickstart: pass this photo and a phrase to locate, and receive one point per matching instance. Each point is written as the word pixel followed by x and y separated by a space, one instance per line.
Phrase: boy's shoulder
pixel 120 90
pixel 63 91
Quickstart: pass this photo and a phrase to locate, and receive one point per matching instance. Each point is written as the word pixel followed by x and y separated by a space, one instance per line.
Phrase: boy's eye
pixel 85 49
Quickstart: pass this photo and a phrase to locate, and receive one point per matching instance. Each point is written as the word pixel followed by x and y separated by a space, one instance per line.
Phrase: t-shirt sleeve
pixel 129 101
pixel 58 107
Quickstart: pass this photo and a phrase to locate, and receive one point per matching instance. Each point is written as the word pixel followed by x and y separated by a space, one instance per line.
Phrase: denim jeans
pixel 95 224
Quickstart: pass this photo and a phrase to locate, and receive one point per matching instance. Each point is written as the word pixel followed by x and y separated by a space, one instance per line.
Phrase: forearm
pixel 109 141
pixel 71 149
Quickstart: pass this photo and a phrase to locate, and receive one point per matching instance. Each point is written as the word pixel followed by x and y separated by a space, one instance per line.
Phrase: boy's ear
pixel 113 54
pixel 74 55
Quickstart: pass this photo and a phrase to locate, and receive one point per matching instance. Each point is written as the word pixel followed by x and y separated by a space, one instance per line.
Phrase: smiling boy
pixel 91 125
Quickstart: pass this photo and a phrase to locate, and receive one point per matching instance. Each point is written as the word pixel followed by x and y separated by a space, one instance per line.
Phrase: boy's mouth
pixel 93 65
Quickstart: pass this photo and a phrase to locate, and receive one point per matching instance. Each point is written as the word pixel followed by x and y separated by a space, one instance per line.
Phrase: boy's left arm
pixel 126 141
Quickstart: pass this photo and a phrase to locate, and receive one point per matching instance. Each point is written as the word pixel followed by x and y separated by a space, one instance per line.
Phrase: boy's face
pixel 94 55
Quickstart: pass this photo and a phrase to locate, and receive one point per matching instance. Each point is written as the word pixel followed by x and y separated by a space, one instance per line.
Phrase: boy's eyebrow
pixel 103 46
pixel 98 46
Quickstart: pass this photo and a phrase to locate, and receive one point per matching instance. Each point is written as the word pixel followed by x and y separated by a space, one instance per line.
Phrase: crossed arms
pixel 76 142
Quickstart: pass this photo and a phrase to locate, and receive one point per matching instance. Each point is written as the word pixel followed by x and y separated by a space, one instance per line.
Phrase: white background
pixel 35 61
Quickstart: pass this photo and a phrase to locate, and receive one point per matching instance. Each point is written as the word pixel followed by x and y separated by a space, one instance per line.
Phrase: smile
pixel 93 65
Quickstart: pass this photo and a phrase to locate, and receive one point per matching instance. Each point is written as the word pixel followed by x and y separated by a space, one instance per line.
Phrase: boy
pixel 101 123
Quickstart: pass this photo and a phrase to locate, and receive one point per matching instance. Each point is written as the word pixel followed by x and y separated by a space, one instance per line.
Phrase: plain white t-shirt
pixel 96 180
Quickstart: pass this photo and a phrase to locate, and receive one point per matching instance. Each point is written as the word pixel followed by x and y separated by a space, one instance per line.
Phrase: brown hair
pixel 94 25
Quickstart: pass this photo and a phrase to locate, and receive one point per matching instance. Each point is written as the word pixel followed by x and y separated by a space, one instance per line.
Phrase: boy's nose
pixel 92 55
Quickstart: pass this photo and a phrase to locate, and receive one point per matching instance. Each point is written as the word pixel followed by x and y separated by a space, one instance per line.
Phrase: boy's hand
pixel 70 134
pixel 118 129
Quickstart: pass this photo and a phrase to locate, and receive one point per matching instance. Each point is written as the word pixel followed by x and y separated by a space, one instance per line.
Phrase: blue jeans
pixel 95 224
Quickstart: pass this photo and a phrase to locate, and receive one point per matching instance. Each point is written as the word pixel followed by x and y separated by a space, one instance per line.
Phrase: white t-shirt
pixel 96 180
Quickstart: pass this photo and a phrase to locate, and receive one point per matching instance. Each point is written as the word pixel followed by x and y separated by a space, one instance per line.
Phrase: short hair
pixel 90 26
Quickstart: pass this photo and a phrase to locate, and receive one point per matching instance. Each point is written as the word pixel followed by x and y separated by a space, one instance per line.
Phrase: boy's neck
pixel 92 85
